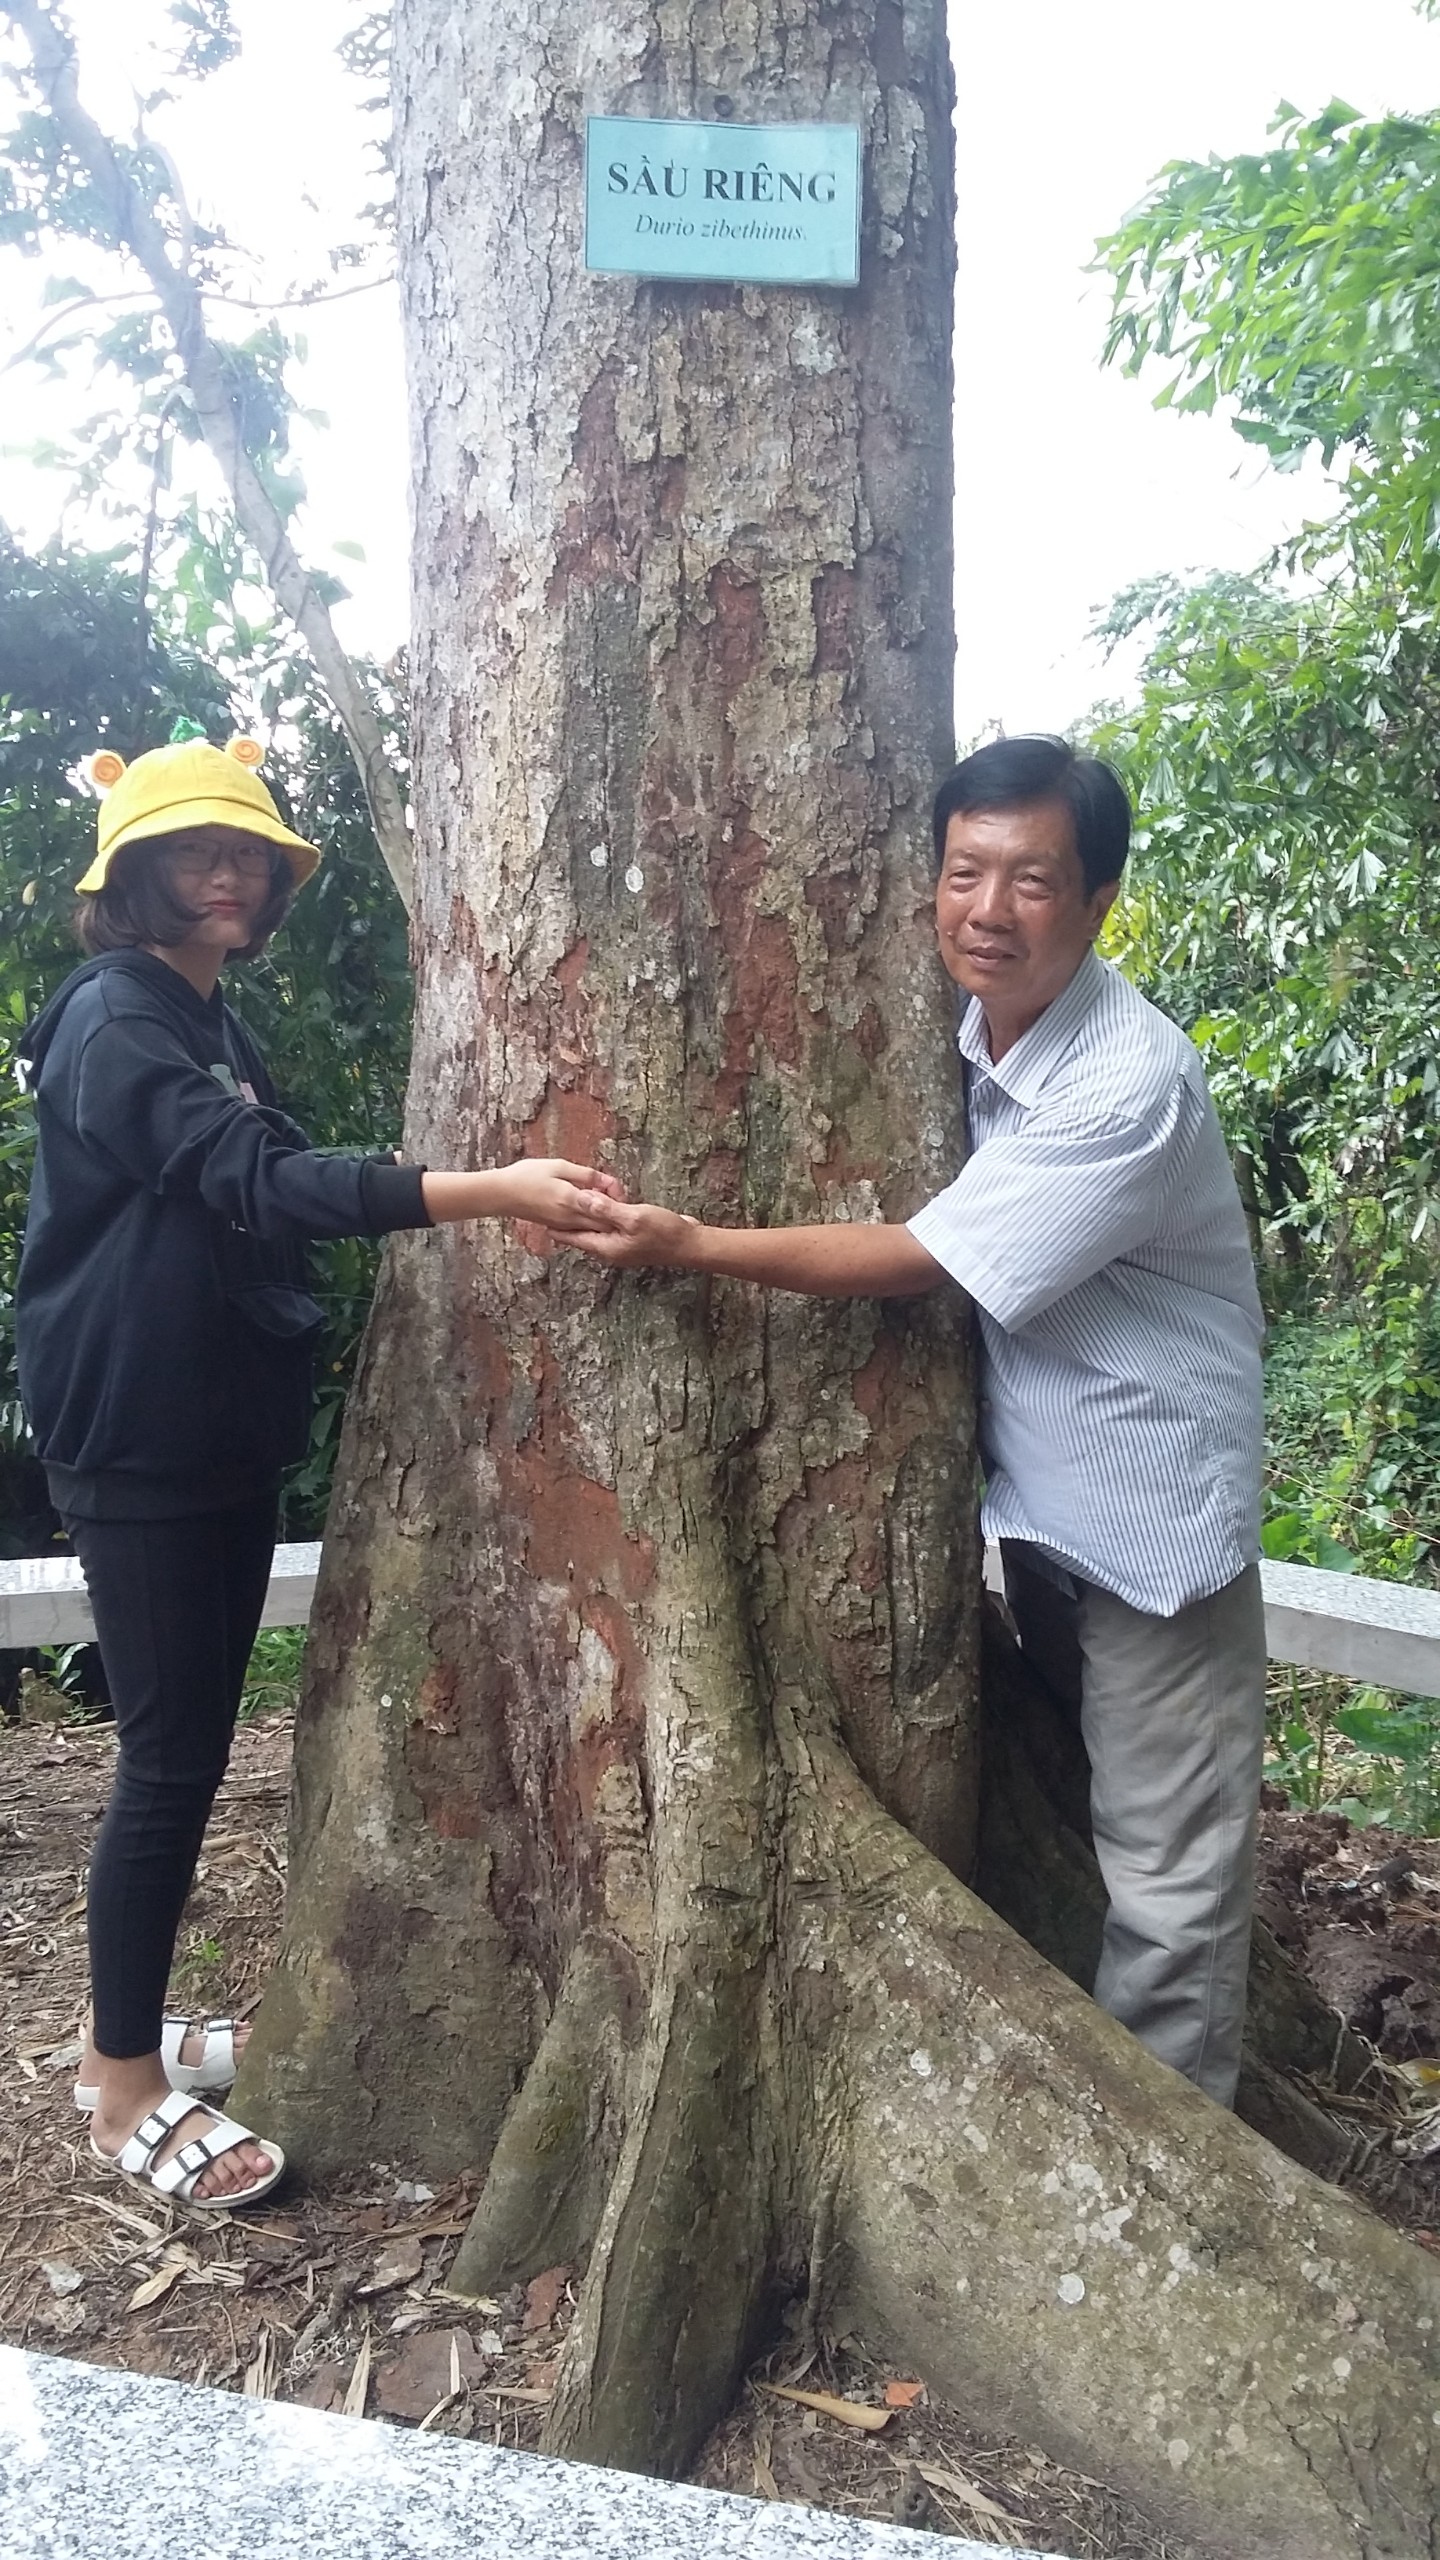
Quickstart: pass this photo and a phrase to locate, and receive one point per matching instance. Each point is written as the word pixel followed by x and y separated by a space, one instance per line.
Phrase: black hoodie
pixel 164 1323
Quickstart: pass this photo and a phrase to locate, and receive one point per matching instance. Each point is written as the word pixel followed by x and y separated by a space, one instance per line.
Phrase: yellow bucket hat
pixel 191 784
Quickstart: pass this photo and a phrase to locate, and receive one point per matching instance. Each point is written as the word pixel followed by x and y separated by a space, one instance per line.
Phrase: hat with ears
pixel 188 784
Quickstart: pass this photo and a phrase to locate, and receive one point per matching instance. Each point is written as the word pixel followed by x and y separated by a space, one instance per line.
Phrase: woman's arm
pixel 544 1188
pixel 143 1101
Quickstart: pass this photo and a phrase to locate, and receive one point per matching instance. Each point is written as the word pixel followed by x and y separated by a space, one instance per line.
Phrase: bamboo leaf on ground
pixel 850 2413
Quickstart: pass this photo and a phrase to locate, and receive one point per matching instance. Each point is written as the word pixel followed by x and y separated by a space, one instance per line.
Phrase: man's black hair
pixel 1011 773
pixel 138 905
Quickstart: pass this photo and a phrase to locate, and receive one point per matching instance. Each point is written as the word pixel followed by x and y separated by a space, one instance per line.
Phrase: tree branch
pixel 311 301
pixel 181 301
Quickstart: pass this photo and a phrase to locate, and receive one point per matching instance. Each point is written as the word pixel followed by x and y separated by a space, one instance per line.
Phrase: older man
pixel 1097 1227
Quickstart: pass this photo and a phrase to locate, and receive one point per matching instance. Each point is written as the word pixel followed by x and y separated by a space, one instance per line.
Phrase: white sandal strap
pixel 177 2178
pixel 180 2175
pixel 156 2129
pixel 214 2071
pixel 217 2064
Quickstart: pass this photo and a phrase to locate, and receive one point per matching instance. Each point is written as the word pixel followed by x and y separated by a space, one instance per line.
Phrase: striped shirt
pixel 1098 1228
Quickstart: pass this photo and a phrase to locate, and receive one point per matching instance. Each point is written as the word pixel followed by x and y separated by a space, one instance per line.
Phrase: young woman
pixel 165 1332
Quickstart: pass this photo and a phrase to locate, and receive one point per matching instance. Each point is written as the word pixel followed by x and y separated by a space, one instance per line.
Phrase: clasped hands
pixel 589 1210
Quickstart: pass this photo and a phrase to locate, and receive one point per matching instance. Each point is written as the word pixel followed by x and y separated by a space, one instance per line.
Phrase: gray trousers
pixel 1172 1711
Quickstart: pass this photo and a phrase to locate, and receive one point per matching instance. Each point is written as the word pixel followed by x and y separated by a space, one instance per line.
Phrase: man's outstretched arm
pixel 837 1261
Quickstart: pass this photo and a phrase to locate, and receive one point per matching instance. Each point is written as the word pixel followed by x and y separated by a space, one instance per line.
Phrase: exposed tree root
pixel 891 2089
pixel 1261 2366
pixel 555 2159
pixel 812 2061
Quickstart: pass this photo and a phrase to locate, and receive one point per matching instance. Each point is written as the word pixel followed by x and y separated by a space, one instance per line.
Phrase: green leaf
pixel 1282 1535
pixel 1391 1733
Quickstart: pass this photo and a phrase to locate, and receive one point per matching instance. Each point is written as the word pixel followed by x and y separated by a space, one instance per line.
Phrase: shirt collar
pixel 1025 1068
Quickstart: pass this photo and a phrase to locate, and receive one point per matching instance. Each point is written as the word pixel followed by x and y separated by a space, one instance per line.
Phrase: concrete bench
pixel 122 2464
pixel 1386 1633
pixel 43 1599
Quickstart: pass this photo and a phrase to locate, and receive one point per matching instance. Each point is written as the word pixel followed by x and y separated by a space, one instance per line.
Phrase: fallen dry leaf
pixel 442 2227
pixel 353 2404
pixel 543 2297
pixel 399 2264
pixel 426 2372
pixel 174 2264
pixel 118 2213
pixel 63 2317
pixel 851 2413
pixel 321 2387
pixel 1423 2139
pixel 902 2395
pixel 259 2382
pixel 955 2485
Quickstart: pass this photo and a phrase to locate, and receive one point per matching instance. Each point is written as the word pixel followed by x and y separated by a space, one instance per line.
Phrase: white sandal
pixel 177 2178
pixel 214 2071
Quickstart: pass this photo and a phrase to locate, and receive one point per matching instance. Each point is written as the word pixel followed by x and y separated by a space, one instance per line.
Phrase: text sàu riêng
pixel 760 185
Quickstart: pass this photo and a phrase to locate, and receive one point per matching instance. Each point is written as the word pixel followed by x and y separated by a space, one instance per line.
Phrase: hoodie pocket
pixel 279 1312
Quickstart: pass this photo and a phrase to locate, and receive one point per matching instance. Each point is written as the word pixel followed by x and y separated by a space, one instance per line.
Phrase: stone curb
pixel 98 2465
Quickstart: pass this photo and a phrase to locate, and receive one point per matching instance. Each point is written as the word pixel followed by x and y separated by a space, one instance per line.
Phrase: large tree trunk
pixel 638 1766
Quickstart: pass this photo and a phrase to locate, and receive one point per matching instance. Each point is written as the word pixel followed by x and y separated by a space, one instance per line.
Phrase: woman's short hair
pixel 138 904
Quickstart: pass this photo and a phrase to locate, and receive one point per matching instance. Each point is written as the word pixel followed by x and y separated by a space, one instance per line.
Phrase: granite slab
pixel 97 2465
pixel 43 1599
pixel 1385 1633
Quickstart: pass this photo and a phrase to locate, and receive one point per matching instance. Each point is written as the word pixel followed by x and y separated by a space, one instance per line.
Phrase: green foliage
pixel 365 53
pixel 1354 1438
pixel 1302 284
pixel 1284 903
pixel 330 1001
pixel 198 1969
pixel 330 1004
pixel 272 1681
pixel 205 37
pixel 1284 906
pixel 1360 1752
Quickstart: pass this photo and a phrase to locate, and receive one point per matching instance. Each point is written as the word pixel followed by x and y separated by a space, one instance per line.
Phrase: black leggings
pixel 177 1604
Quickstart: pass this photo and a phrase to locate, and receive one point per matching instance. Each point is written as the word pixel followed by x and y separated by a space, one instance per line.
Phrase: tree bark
pixel 638 1765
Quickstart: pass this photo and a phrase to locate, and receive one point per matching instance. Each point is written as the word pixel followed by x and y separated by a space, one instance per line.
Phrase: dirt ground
pixel 336 2295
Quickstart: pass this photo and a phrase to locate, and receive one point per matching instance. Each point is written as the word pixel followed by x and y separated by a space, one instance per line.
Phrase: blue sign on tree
pixel 749 203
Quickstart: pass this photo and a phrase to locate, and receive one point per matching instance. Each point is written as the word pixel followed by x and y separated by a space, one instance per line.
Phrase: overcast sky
pixel 1071 485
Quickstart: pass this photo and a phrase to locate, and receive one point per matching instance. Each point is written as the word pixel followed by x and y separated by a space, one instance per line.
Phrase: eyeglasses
pixel 199 862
